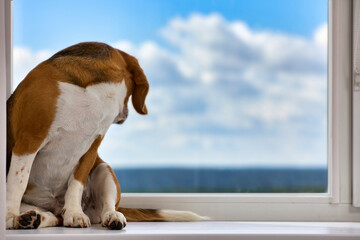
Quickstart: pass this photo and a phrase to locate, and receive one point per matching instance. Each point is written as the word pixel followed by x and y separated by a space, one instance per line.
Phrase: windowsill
pixel 203 230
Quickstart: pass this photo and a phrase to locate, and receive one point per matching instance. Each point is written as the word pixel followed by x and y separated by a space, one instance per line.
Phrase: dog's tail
pixel 154 215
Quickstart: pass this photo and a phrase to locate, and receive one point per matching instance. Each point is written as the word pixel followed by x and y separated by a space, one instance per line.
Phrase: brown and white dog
pixel 56 120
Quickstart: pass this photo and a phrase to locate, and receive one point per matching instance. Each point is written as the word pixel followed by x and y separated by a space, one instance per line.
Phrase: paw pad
pixel 116 225
pixel 114 220
pixel 29 220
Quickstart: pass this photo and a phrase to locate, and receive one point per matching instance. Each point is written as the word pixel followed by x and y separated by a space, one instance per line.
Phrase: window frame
pixel 4 41
pixel 336 205
pixel 332 206
pixel 356 102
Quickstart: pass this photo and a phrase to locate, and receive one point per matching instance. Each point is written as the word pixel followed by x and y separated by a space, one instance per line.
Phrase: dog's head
pixel 90 63
pixel 137 86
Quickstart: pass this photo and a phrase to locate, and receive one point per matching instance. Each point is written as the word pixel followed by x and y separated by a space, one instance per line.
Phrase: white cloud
pixel 209 43
pixel 224 94
pixel 24 60
pixel 280 67
pixel 321 35
pixel 125 46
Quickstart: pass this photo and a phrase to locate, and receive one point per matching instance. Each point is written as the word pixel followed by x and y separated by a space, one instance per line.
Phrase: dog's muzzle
pixel 120 119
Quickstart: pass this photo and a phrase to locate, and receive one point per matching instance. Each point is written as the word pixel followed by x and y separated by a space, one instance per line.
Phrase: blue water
pixel 252 180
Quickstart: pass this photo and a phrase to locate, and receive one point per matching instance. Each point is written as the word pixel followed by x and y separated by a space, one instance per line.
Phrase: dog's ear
pixel 141 85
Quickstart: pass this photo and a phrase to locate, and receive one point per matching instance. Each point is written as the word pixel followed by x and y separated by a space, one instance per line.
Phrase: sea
pixel 228 180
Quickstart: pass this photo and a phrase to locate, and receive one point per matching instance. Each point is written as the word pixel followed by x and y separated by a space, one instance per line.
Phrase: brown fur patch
pixel 63 211
pixel 98 161
pixel 10 138
pixel 86 64
pixel 28 125
pixel 141 85
pixel 141 215
pixel 87 162
pixel 29 187
pixel 60 220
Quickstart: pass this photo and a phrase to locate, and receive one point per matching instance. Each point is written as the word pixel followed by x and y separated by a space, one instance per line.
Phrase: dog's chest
pixel 82 115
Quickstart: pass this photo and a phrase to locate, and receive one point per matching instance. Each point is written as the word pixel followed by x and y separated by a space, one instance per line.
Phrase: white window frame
pixel 336 205
pixel 356 103
pixel 5 83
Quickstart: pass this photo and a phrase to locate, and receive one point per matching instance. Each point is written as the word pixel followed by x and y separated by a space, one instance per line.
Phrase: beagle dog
pixel 56 120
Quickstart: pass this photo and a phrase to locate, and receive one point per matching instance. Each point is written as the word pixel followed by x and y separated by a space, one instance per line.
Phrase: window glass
pixel 238 89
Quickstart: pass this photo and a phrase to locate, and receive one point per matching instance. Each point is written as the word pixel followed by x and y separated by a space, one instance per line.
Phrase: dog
pixel 56 120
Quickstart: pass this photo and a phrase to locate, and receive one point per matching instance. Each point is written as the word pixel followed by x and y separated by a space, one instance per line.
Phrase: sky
pixel 232 83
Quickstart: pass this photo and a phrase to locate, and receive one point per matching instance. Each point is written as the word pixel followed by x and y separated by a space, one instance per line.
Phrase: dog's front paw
pixel 11 220
pixel 113 220
pixel 75 219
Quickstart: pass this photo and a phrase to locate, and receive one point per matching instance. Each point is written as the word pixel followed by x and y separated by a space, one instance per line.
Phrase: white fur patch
pixel 74 215
pixel 17 181
pixel 181 216
pixel 73 196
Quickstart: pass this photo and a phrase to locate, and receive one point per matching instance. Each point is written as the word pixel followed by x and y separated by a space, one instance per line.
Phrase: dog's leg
pixel 106 190
pixel 35 217
pixel 17 180
pixel 72 213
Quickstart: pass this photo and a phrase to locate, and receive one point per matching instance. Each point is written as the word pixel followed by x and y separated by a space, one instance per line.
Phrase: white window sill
pixel 202 230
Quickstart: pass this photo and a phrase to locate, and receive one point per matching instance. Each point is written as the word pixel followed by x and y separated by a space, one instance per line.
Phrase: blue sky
pixel 233 83
pixel 57 24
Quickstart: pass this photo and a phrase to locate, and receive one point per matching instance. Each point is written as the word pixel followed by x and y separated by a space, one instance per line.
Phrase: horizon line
pixel 226 167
